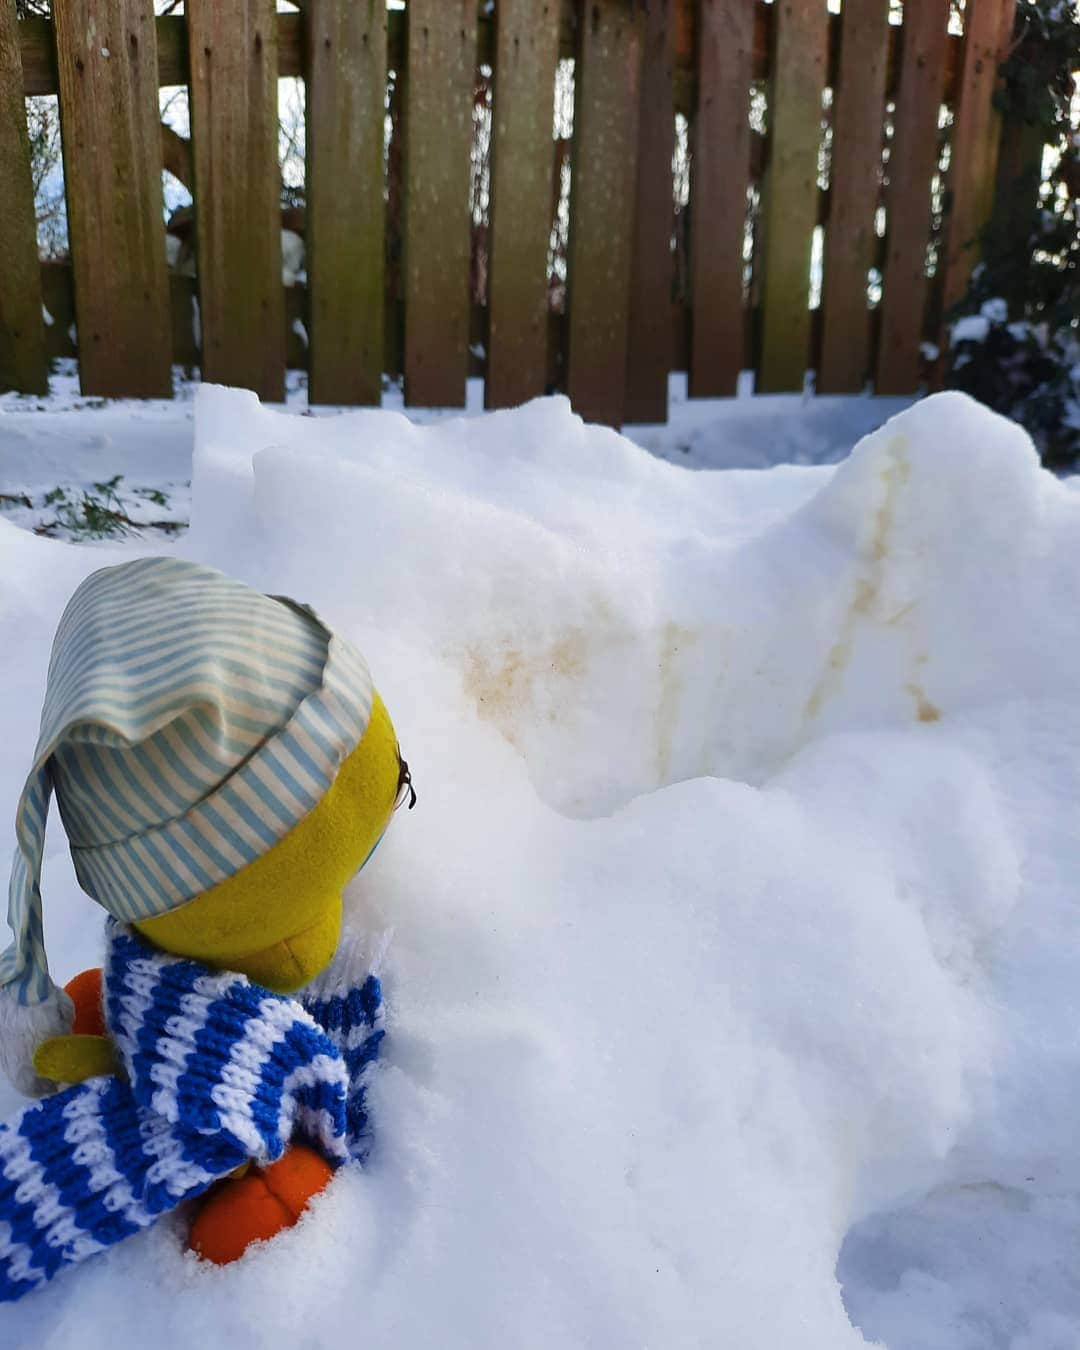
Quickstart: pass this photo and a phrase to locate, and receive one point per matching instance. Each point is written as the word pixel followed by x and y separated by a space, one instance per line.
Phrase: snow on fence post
pixel 976 138
pixel 790 193
pixel 22 329
pixel 912 160
pixel 607 99
pixel 108 70
pixel 650 350
pixel 346 214
pixel 854 182
pixel 527 51
pixel 441 67
pixel 719 178
pixel 234 122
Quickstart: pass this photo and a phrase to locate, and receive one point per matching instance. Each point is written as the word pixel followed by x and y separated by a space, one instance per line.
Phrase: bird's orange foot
pixel 86 994
pixel 257 1205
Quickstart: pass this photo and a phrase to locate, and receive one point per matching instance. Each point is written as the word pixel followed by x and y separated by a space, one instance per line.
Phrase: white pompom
pixel 23 1026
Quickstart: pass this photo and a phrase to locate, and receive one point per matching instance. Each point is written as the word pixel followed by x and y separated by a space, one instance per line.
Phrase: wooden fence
pixel 388 272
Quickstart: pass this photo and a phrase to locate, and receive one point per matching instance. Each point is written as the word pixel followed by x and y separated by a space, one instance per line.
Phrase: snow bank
pixel 736 918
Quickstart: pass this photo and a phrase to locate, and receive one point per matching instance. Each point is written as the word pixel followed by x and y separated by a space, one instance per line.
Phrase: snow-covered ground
pixel 134 457
pixel 735 983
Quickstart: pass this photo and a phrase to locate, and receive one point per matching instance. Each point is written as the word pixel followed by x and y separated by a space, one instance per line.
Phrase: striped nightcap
pixel 189 723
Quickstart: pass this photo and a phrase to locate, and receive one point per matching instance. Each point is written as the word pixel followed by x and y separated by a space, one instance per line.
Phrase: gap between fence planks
pixel 912 160
pixel 440 69
pixel 607 99
pixel 790 191
pixel 854 186
pixel 109 118
pixel 22 329
pixel 719 178
pixel 346 215
pixel 527 47
pixel 649 348
pixel 234 128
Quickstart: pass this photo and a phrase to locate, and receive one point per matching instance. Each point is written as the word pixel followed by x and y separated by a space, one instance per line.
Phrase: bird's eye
pixel 405 787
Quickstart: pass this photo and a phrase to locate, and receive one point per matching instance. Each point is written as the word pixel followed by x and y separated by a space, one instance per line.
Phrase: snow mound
pixel 735 924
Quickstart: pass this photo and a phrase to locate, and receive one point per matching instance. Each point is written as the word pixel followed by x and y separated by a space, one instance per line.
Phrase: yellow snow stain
pixel 866 598
pixel 673 640
pixel 502 679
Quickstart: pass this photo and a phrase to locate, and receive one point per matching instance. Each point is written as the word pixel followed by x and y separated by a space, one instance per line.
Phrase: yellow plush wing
pixel 73 1059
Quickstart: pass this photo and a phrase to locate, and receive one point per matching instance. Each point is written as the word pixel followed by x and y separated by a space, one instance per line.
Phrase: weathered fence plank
pixel 719 178
pixel 22 331
pixel 854 184
pixel 649 351
pixel 912 159
pixel 603 186
pixel 976 137
pixel 346 214
pixel 436 243
pixel 527 36
pixel 234 123
pixel 791 190
pixel 107 57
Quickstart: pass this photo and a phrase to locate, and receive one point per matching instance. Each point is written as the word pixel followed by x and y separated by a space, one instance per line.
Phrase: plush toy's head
pixel 222 764
pixel 278 920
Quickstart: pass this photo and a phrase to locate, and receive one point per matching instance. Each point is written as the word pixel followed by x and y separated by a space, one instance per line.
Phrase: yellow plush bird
pixel 270 672
pixel 277 921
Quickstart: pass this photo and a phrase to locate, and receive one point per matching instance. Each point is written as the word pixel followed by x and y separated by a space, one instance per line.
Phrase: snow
pixel 70 442
pixel 51 442
pixel 292 257
pixel 971 328
pixel 996 310
pixel 735 976
pixel 764 430
pixel 173 245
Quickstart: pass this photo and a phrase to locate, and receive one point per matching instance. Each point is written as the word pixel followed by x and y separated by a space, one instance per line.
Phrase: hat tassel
pixel 23 1027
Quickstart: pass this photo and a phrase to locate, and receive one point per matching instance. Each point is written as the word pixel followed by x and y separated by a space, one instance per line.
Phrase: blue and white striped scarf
pixel 217 1072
